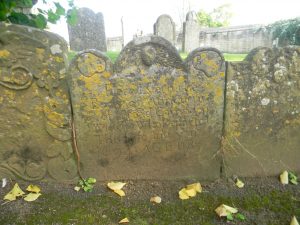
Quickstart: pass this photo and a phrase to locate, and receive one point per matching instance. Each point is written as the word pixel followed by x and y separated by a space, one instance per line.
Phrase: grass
pixel 114 55
pixel 273 208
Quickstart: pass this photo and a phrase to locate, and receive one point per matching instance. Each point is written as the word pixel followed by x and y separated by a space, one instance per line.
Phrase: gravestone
pixel 191 32
pixel 165 27
pixel 35 114
pixel 89 32
pixel 262 123
pixel 153 116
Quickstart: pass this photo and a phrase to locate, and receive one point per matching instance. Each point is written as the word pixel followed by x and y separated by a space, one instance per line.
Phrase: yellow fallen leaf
pixel 284 177
pixel 14 193
pixel 125 220
pixel 115 185
pixel 183 195
pixel 196 186
pixel 77 188
pixel 32 197
pixel 224 210
pixel 239 183
pixel 155 199
pixel 33 188
pixel 120 192
pixel 294 221
pixel 191 192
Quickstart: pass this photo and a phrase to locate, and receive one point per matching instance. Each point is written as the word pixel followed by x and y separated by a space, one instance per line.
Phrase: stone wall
pixel 239 39
pixel 149 115
pixel 115 44
pixel 88 32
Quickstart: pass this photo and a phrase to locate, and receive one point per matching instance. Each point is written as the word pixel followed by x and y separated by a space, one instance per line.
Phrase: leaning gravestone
pixel 35 135
pixel 89 32
pixel 262 124
pixel 165 27
pixel 153 116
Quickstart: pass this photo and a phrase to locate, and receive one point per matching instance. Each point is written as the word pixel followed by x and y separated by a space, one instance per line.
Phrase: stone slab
pixel 262 125
pixel 150 116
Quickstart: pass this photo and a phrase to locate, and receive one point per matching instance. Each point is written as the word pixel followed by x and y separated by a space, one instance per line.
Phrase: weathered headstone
pixel 191 31
pixel 165 27
pixel 262 124
pixel 89 32
pixel 154 117
pixel 35 136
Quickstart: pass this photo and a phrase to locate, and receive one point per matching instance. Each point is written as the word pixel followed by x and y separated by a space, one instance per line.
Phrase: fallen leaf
pixel 14 193
pixel 77 188
pixel 224 210
pixel 294 221
pixel 155 199
pixel 115 185
pixel 33 188
pixel 239 183
pixel 191 192
pixel 125 220
pixel 4 182
pixel 284 177
pixel 183 195
pixel 120 192
pixel 32 197
pixel 196 186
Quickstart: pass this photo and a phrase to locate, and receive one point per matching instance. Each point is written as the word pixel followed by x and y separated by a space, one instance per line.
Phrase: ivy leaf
pixel 293 178
pixel 229 217
pixel 52 17
pixel 240 216
pixel 40 21
pixel 72 16
pixel 59 9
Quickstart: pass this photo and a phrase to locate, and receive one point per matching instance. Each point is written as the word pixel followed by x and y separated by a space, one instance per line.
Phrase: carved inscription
pixel 148 119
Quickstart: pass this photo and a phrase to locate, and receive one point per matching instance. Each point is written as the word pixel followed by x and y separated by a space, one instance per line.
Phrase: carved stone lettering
pixel 154 117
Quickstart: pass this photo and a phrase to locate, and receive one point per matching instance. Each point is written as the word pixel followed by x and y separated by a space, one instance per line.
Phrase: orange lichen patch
pixel 4 53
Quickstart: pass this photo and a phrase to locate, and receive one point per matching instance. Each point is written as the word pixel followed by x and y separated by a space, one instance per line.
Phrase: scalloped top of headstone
pixel 145 52
pixel 209 61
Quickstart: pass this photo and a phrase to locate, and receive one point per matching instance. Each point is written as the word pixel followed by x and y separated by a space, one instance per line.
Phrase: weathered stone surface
pixel 89 32
pixel 34 111
pixel 154 117
pixel 165 27
pixel 263 113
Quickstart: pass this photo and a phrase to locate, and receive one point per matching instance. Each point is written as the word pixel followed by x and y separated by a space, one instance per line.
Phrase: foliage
pixel 10 12
pixel 87 184
pixel 219 17
pixel 287 31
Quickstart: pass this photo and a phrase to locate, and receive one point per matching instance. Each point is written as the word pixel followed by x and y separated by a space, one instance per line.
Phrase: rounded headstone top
pixel 164 16
pixel 191 16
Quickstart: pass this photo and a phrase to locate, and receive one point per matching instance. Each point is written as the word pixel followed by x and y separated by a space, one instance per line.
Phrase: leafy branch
pixel 10 12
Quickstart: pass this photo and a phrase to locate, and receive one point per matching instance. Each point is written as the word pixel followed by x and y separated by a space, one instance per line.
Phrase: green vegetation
pixel 287 31
pixel 114 55
pixel 219 17
pixel 11 12
pixel 273 208
pixel 234 57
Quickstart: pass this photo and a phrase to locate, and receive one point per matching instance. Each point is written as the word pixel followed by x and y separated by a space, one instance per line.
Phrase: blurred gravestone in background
pixel 165 27
pixel 89 32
